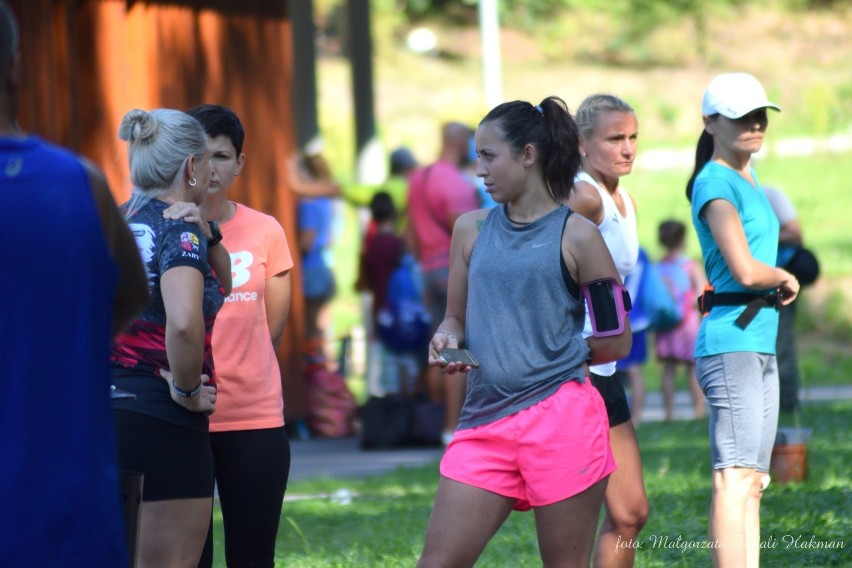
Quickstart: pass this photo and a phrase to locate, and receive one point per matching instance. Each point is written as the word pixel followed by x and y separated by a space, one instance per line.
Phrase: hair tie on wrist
pixel 215 235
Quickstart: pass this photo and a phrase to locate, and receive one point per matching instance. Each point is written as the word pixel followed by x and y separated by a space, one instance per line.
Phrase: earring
pixel 193 182
pixel 236 173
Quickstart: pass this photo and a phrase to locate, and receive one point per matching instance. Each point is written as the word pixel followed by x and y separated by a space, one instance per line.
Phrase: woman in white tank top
pixel 608 138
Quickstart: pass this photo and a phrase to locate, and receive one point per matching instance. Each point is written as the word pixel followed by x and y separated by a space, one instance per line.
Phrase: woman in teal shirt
pixel 735 348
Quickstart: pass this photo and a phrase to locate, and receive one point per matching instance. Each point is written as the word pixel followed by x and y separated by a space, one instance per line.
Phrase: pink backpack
pixel 331 405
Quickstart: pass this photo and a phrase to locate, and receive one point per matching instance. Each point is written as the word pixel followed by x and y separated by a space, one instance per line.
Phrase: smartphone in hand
pixel 462 356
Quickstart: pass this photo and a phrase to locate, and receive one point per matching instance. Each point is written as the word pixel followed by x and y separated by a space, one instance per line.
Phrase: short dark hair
pixel 218 120
pixel 401 161
pixel 382 207
pixel 8 36
pixel 671 233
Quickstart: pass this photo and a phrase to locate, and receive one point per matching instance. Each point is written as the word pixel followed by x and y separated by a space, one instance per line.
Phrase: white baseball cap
pixel 734 95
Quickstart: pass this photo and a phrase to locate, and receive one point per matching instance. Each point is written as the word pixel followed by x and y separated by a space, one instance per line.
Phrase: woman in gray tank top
pixel 533 433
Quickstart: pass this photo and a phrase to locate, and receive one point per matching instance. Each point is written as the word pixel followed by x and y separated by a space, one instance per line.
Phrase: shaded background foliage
pixel 651 53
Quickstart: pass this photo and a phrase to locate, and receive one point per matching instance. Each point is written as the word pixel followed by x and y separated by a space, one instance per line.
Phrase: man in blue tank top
pixel 72 279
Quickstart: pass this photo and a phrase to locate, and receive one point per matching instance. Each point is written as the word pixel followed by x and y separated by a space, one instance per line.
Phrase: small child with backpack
pixel 685 280
pixel 394 414
pixel 400 323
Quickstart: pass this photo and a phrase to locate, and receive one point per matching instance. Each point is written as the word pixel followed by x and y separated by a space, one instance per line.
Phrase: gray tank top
pixel 523 324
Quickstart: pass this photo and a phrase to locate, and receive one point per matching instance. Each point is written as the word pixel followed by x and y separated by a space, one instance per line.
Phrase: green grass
pixel 384 524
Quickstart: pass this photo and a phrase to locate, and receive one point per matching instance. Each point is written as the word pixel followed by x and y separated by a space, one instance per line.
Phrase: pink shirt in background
pixel 436 192
pixel 249 395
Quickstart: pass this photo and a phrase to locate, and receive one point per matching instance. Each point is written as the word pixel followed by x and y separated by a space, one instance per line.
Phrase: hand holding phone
pixel 463 356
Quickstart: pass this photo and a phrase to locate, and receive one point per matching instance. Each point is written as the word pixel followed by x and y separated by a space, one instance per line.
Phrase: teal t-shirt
pixel 718 333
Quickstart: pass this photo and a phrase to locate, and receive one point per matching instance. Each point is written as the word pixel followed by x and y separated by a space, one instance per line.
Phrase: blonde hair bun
pixel 138 126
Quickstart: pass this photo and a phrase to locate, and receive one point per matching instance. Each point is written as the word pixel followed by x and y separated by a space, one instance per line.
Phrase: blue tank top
pixel 59 494
pixel 523 323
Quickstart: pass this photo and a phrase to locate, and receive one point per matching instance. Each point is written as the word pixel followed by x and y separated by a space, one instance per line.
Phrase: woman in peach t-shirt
pixel 251 451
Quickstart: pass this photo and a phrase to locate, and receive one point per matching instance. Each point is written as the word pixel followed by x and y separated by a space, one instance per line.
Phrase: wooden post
pixel 90 61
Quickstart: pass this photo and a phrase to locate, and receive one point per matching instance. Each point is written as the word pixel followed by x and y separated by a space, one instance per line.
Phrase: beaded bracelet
pixel 449 336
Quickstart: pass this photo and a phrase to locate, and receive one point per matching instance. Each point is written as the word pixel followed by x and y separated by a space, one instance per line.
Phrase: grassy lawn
pixel 384 524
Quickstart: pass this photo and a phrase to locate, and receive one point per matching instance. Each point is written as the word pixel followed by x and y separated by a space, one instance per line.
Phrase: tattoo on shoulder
pixel 479 225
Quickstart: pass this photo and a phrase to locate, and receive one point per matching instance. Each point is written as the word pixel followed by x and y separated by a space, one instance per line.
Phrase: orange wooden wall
pixel 87 62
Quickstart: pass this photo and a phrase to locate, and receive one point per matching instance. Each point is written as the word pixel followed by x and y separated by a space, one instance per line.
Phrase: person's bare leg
pixel 566 530
pixel 455 387
pixel 625 501
pixel 463 520
pixel 695 391
pixel 668 387
pixel 326 335
pixel 172 533
pixel 752 521
pixel 732 512
pixel 637 388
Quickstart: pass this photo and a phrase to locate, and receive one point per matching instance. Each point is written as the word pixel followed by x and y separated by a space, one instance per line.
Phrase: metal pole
pixel 489 27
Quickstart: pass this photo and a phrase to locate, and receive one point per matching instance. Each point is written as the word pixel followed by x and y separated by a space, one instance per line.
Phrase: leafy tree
pixel 646 15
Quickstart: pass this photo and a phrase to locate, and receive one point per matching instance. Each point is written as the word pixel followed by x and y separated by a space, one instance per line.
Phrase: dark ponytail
pixel 551 129
pixel 562 163
pixel 703 153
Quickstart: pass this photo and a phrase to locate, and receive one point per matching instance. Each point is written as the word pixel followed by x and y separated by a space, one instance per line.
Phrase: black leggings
pixel 251 468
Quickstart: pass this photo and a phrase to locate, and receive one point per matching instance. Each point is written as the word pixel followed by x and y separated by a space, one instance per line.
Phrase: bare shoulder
pixel 582 240
pixel 586 200
pixel 472 220
pixel 580 229
pixel 466 230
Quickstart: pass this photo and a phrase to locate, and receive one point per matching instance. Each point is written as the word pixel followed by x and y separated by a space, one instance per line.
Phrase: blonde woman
pixel 164 357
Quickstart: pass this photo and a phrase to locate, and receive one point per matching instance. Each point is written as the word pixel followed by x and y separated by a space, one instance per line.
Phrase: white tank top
pixel 619 234
pixel 618 231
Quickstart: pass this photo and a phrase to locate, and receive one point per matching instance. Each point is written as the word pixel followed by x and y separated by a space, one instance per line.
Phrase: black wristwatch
pixel 217 234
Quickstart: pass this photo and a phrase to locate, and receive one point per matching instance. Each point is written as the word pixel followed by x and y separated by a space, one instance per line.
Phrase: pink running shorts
pixel 543 454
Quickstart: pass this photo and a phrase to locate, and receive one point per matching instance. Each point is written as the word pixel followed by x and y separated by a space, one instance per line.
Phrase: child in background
pixel 685 279
pixel 631 370
pixel 383 253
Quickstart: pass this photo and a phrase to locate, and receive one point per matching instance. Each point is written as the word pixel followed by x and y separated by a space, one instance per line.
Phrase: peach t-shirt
pixel 249 395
